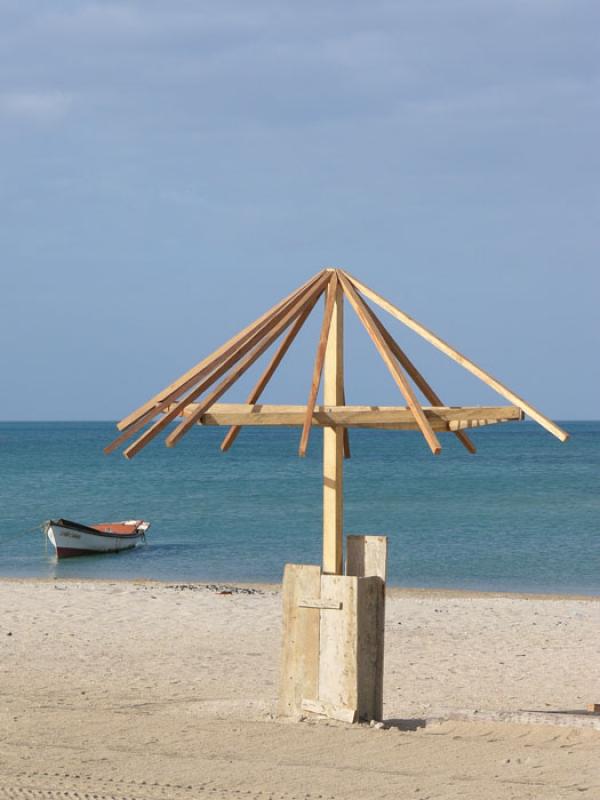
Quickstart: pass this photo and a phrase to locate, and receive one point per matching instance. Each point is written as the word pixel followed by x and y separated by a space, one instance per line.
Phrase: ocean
pixel 521 515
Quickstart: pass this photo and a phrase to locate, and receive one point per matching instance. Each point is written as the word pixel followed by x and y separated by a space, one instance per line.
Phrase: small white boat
pixel 74 539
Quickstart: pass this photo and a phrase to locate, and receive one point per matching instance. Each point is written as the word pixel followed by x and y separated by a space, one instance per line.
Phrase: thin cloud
pixel 38 106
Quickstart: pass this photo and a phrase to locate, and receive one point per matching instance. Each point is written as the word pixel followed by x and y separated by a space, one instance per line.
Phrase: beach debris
pixel 216 588
pixel 593 708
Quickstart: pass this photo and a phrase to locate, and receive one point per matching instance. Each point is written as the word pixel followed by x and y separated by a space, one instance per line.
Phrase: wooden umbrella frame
pixel 189 400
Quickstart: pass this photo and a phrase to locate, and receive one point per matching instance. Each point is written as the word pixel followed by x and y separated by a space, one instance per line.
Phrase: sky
pixel 168 171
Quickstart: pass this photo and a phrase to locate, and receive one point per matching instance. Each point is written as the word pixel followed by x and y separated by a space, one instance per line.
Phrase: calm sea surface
pixel 523 514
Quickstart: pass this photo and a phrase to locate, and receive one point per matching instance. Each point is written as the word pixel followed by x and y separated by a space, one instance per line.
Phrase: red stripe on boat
pixel 66 552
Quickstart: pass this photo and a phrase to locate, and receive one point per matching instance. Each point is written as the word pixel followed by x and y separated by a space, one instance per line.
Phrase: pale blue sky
pixel 169 170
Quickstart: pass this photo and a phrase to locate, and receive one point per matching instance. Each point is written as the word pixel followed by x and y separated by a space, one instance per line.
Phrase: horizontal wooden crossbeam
pixel 441 418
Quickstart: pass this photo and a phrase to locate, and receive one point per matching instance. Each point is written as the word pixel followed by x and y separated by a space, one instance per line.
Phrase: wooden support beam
pixel 240 369
pixel 429 394
pixel 278 322
pixel 384 351
pixel 319 359
pixel 333 443
pixel 208 365
pixel 202 367
pixel 465 362
pixel 264 379
pixel 441 418
pixel 300 652
pixel 366 556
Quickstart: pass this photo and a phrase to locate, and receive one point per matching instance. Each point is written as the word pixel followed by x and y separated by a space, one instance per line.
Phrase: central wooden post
pixel 333 443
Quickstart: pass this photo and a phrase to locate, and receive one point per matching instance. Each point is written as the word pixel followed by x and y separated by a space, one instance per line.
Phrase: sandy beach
pixel 144 690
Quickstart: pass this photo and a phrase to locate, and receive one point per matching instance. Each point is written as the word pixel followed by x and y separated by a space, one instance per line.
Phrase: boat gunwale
pixel 78 526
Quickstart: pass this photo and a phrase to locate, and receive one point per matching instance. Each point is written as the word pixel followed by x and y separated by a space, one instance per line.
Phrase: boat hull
pixel 69 541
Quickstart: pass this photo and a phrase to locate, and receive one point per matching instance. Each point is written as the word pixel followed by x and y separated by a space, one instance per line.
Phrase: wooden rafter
pixel 297 308
pixel 288 312
pixel 441 418
pixel 228 362
pixel 202 369
pixel 195 373
pixel 319 359
pixel 455 355
pixel 395 370
pixel 429 394
pixel 270 369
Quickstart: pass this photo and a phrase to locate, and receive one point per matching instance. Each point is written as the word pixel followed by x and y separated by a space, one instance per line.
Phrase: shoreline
pixel 393 591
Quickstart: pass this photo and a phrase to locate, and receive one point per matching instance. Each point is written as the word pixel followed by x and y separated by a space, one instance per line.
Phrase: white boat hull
pixel 76 541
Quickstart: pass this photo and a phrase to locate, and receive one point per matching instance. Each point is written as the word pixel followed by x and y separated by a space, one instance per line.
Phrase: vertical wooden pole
pixel 333 443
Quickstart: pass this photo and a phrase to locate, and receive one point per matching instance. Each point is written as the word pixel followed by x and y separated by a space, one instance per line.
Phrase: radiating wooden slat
pixel 391 363
pixel 240 369
pixel 214 369
pixel 192 375
pixel 288 312
pixel 211 363
pixel 264 379
pixel 318 367
pixel 455 355
pixel 429 394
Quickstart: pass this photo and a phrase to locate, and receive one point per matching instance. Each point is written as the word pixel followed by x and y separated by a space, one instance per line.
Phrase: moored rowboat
pixel 74 539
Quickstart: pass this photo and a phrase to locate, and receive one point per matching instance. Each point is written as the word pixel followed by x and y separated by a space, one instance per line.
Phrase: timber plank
pixel 338 643
pixel 299 674
pixel 319 359
pixel 352 416
pixel 268 373
pixel 395 370
pixel 277 321
pixel 430 395
pixel 333 443
pixel 461 359
pixel 366 556
pixel 212 366
pixel 370 610
pixel 192 375
pixel 295 309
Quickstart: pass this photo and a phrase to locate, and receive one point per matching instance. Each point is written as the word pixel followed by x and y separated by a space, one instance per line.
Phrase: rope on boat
pixel 25 533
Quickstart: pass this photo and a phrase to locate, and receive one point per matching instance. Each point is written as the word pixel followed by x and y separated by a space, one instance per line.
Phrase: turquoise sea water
pixel 521 515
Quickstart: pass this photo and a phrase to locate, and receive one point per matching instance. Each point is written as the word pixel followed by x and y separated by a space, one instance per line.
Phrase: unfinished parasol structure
pixel 333 662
